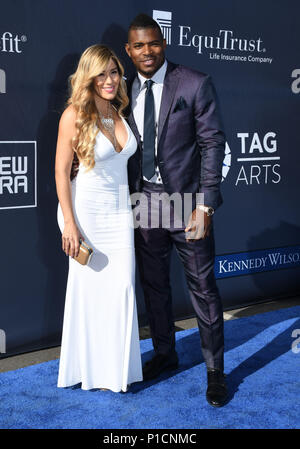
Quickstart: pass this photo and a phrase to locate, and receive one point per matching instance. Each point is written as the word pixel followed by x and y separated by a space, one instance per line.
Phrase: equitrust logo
pixel 18 174
pixel 164 19
pixel 219 45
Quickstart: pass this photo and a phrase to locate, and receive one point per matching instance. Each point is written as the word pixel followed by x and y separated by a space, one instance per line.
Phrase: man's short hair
pixel 144 21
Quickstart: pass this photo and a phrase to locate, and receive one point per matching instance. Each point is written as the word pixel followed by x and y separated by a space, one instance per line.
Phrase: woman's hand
pixel 70 239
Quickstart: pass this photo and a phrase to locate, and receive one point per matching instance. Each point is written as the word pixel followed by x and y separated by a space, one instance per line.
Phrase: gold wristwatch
pixel 208 209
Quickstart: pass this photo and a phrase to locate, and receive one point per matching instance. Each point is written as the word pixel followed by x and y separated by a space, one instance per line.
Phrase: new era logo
pixel 164 20
pixel 18 178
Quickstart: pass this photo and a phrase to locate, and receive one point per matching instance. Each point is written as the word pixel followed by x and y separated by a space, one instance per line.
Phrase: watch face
pixel 210 211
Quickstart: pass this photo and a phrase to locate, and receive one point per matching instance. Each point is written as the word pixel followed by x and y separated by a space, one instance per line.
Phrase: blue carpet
pixel 262 373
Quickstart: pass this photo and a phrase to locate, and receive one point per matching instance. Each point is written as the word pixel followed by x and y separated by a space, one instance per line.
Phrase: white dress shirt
pixel 138 106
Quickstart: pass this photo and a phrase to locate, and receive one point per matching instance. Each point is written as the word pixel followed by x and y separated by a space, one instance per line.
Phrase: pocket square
pixel 180 104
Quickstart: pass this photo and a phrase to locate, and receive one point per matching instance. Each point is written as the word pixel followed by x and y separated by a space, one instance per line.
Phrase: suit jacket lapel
pixel 133 126
pixel 129 112
pixel 169 89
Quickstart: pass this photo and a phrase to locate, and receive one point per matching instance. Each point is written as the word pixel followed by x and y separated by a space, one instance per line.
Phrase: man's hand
pixel 198 226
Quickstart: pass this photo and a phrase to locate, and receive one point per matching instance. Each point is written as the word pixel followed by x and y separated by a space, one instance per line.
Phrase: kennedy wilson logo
pixel 257 261
pixel 221 45
pixel 18 178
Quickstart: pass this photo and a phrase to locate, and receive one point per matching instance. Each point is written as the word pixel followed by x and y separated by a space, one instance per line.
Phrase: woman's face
pixel 106 84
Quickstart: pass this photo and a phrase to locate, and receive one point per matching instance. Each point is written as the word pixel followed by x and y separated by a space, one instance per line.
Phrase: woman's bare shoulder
pixel 67 124
pixel 69 114
pixel 68 117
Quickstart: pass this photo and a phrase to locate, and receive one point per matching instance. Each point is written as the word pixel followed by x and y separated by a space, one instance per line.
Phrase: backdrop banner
pixel 250 49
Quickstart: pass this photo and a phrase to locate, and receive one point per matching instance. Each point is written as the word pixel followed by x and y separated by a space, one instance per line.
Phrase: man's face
pixel 146 48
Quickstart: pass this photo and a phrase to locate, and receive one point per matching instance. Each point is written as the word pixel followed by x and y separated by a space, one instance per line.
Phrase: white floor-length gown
pixel 100 341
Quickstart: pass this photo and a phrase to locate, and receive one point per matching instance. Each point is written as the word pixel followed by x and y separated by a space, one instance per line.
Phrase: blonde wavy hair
pixel 93 61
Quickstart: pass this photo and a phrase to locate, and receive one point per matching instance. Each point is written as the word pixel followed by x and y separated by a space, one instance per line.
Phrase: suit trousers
pixel 153 251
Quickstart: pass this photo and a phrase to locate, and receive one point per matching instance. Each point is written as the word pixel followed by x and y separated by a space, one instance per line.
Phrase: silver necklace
pixel 108 123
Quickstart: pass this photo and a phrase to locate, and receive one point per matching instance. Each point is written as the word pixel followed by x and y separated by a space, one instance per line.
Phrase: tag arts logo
pixel 259 159
pixel 164 19
pixel 2 82
pixel 296 83
pixel 18 174
pixel 226 162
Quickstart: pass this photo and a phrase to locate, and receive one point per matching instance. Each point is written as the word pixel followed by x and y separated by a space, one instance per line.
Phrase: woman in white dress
pixel 100 340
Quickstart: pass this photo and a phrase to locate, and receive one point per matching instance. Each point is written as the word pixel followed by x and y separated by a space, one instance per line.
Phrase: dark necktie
pixel 149 133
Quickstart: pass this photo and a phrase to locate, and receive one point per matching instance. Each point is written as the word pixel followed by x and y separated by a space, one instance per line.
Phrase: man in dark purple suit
pixel 174 117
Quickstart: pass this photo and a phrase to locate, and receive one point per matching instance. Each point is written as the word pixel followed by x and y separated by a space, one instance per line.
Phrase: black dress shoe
pixel 158 364
pixel 216 393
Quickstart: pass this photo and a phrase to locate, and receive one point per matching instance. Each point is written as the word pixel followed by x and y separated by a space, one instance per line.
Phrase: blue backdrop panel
pixel 250 50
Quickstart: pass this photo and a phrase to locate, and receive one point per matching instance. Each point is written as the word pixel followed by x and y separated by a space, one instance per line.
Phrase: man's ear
pixel 127 48
pixel 164 44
